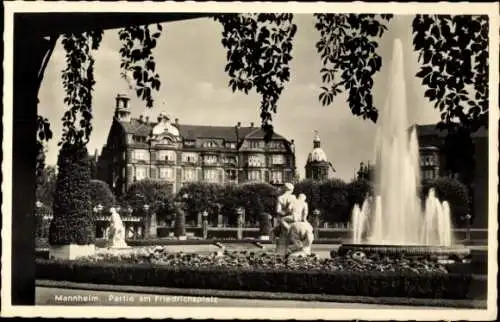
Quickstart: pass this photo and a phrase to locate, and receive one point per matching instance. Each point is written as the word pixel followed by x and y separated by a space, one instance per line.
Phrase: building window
pixel 189 157
pixel 256 160
pixel 210 175
pixel 210 159
pixel 209 144
pixel 231 145
pixel 231 175
pixel 166 155
pixel 141 155
pixel 189 143
pixel 189 175
pixel 278 159
pixel 141 173
pixel 167 173
pixel 277 176
pixel 254 175
pixel 139 139
pixel 256 144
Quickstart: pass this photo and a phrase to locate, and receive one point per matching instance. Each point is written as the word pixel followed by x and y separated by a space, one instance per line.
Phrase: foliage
pixel 334 200
pixel 78 82
pixel 258 53
pixel 310 188
pixel 453 191
pixel 137 59
pixel 101 194
pixel 453 51
pixel 154 193
pixel 257 198
pixel 357 191
pixel 347 47
pixel 44 133
pixel 73 220
pixel 201 196
pixel 46 185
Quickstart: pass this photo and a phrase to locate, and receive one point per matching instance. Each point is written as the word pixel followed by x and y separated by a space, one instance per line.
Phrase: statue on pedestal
pixel 117 231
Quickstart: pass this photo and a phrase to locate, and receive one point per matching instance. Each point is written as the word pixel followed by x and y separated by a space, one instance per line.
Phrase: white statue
pixel 301 238
pixel 300 208
pixel 285 211
pixel 117 231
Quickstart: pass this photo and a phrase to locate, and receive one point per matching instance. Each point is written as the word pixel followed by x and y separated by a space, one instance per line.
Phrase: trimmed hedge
pixel 376 284
pixel 73 221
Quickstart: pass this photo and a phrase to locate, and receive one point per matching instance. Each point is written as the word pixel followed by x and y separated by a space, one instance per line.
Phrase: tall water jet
pixel 395 215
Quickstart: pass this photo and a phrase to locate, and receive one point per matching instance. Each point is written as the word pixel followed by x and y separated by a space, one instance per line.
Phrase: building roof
pixel 432 130
pixel 192 132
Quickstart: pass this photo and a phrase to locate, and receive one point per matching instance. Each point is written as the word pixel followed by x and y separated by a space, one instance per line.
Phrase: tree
pixel 258 198
pixel 311 189
pixel 73 221
pixel 452 191
pixel 357 191
pixel 200 196
pixel 101 194
pixel 334 200
pixel 154 193
pixel 46 184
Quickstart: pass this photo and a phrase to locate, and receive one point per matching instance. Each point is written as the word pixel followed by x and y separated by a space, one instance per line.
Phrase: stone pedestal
pixel 72 251
pixel 265 237
pixel 220 220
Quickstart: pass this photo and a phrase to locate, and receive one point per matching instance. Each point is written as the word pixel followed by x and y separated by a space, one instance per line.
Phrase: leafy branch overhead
pixel 347 47
pixel 453 51
pixel 78 82
pixel 137 60
pixel 258 53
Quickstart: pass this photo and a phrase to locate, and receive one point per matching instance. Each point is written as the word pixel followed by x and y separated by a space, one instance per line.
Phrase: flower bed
pixel 260 271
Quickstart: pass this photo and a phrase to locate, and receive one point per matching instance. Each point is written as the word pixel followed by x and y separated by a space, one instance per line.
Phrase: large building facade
pixel 139 148
pixel 433 164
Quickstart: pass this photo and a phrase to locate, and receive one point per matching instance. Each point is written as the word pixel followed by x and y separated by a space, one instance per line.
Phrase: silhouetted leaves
pixel 348 51
pixel 78 82
pixel 258 53
pixel 453 51
pixel 44 134
pixel 138 61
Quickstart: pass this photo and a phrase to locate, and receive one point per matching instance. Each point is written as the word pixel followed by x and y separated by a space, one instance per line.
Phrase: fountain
pixel 395 217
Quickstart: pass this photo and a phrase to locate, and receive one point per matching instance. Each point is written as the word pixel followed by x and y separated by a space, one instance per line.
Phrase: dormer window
pixel 189 143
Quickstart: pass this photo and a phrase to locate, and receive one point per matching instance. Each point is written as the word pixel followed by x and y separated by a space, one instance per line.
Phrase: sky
pixel 194 88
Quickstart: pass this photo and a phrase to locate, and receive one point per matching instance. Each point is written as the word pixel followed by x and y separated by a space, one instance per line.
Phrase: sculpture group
pixel 294 234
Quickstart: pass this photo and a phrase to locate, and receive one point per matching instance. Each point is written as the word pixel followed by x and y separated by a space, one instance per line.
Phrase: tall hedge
pixel 73 221
pixel 334 200
pixel 357 191
pixel 453 191
pixel 201 196
pixel 311 189
pixel 101 194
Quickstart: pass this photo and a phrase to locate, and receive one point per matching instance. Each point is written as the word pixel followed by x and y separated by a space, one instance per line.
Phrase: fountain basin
pixel 451 252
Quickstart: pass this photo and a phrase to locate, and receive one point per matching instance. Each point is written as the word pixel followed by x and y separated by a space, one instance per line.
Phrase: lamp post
pixel 239 221
pixel 97 210
pixel 39 219
pixel 146 219
pixel 205 224
pixel 467 218
pixel 316 214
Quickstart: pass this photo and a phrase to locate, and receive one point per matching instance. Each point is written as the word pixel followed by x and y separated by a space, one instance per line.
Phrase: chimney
pixel 147 119
pixel 251 124
pixel 141 118
pixel 238 124
pixel 176 121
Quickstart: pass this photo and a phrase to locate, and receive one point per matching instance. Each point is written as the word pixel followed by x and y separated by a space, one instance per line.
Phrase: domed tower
pixel 317 166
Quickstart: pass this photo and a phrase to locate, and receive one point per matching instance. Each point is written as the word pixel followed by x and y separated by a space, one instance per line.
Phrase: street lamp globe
pixel 146 207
